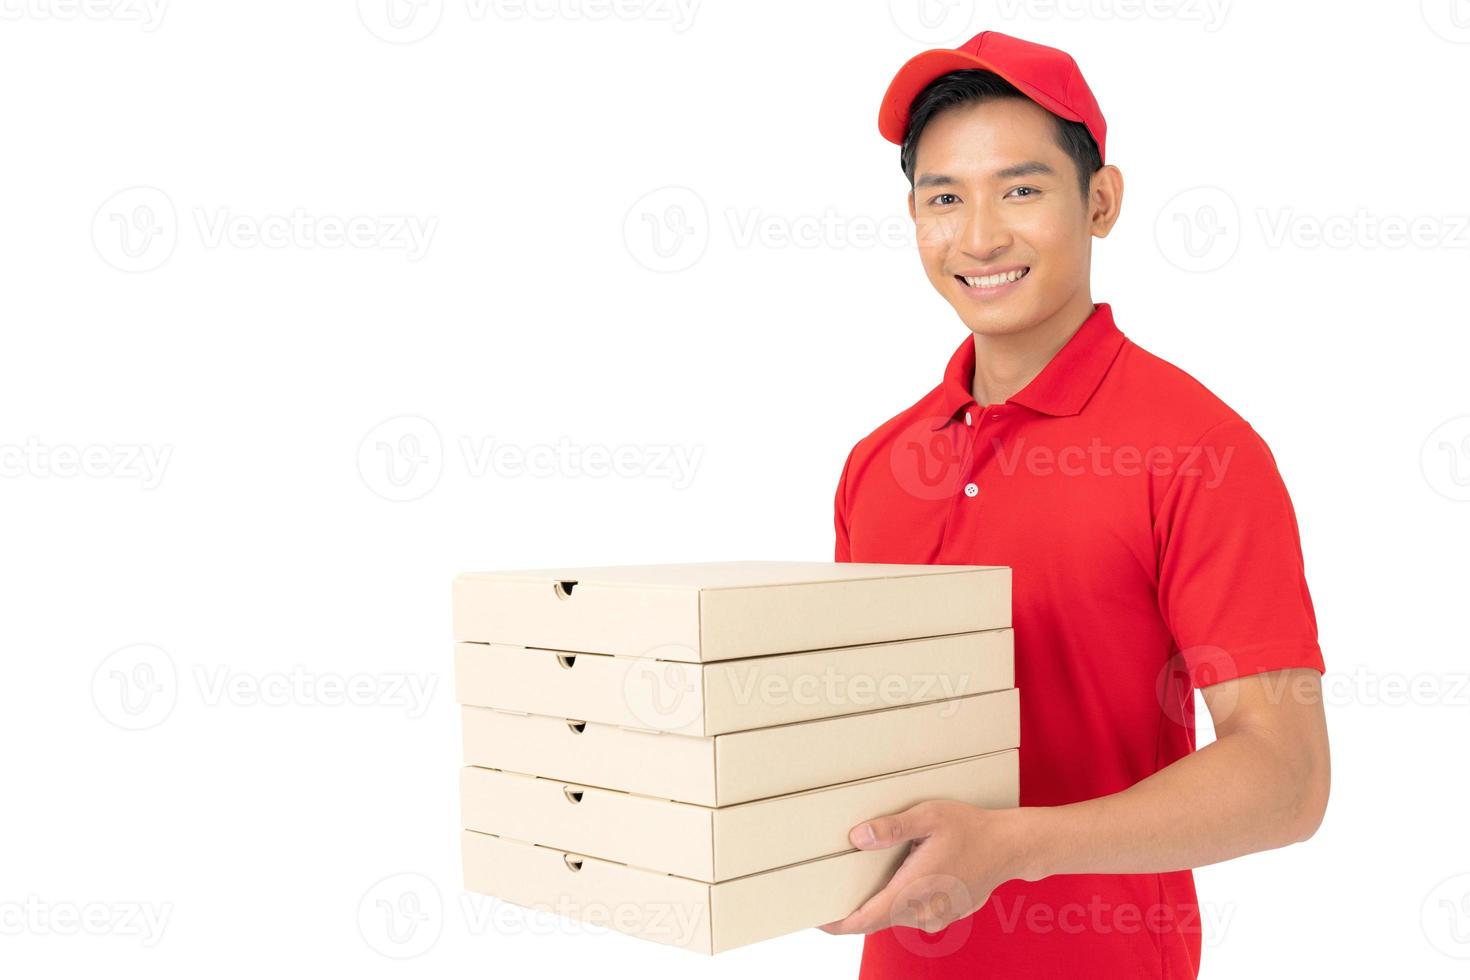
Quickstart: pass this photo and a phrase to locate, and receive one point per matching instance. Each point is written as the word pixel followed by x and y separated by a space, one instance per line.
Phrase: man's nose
pixel 983 230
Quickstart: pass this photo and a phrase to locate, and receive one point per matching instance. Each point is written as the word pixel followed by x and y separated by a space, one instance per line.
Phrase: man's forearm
pixel 1237 795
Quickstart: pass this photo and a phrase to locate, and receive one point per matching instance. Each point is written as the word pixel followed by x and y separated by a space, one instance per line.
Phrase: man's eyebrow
pixel 1030 168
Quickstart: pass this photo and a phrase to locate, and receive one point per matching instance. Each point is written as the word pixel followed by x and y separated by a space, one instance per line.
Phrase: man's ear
pixel 1105 202
pixel 912 215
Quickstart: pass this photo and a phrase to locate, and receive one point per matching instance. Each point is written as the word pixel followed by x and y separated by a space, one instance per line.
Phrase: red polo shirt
pixel 1154 549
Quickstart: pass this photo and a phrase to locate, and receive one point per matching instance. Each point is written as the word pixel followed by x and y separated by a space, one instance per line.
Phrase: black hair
pixel 977 85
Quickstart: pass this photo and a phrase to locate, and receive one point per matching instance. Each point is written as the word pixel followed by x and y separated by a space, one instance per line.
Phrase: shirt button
pixel 995 415
pixel 967 418
pixel 971 489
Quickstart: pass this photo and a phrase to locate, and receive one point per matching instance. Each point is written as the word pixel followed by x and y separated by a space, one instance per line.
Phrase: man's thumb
pixel 886 831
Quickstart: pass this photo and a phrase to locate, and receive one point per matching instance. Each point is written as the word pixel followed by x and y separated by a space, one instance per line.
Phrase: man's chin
pixel 1001 321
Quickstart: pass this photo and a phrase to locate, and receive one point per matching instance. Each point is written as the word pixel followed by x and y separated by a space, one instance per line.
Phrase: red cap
pixel 1047 76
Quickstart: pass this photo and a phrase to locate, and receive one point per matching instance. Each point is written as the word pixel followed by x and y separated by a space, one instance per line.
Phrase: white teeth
pixel 990 282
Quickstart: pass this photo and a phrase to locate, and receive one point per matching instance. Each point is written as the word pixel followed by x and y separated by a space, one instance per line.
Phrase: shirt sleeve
pixel 1232 584
pixel 843 551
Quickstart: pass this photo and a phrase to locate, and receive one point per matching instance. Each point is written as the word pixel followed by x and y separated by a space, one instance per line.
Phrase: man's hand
pixel 1263 783
pixel 958 854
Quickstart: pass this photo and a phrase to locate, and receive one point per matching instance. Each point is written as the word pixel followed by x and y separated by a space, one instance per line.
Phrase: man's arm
pixel 1263 783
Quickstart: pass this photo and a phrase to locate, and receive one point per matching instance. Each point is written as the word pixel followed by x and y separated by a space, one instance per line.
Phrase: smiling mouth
pixel 995 281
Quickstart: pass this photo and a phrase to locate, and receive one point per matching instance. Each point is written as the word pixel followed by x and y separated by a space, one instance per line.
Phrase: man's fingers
pixel 873 914
pixel 916 896
pixel 922 908
pixel 894 828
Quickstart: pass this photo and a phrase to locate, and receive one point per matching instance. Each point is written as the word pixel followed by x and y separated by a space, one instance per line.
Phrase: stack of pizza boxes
pixel 679 751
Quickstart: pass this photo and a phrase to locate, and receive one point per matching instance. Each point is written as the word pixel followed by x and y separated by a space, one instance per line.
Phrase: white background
pixel 243 458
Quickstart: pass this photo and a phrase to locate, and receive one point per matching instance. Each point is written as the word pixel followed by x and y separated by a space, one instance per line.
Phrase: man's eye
pixel 1032 192
pixel 940 199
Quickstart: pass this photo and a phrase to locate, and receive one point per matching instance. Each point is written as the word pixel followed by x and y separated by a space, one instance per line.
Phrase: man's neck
pixel 1006 363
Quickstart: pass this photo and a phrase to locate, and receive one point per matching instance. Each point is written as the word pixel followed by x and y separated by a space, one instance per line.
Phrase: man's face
pixel 994 195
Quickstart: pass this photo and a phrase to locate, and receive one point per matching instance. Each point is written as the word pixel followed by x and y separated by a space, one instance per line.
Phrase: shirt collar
pixel 1064 384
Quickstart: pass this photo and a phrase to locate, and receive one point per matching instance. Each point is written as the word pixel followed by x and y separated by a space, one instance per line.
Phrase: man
pixel 1154 551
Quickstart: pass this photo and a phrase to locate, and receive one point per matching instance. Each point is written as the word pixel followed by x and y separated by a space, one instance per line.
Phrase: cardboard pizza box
pixel 736 767
pixel 711 611
pixel 732 695
pixel 713 844
pixel 695 915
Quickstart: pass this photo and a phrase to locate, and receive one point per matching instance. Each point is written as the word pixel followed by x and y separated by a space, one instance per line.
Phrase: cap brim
pixel 925 67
